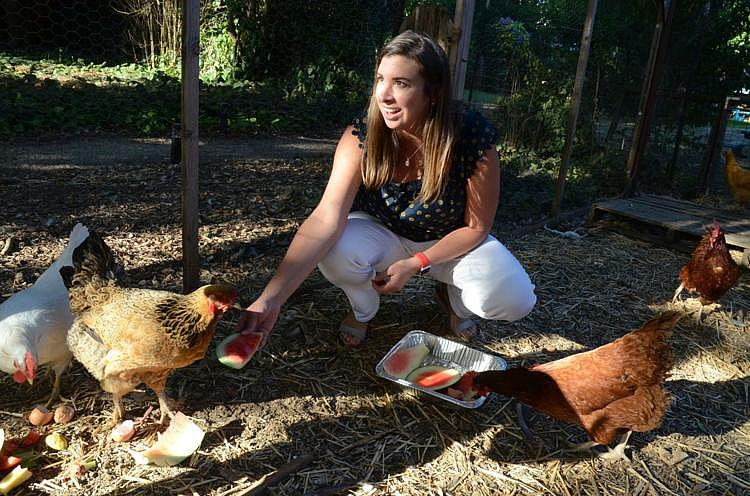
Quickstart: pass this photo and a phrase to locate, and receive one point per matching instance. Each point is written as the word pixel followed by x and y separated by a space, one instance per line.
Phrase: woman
pixel 413 189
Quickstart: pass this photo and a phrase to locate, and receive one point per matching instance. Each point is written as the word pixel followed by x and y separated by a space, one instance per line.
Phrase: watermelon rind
pixel 181 439
pixel 407 358
pixel 452 376
pixel 231 360
pixel 15 478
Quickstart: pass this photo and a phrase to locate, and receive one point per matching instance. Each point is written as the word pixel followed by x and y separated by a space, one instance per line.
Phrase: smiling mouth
pixel 390 113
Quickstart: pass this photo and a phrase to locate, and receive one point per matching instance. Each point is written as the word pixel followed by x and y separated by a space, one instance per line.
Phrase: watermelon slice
pixel 465 390
pixel 181 439
pixel 236 350
pixel 402 362
pixel 7 460
pixel 434 377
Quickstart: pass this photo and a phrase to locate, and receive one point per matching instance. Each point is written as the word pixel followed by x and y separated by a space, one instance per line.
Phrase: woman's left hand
pixel 395 277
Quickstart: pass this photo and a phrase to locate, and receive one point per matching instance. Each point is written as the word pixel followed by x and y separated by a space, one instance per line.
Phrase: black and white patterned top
pixel 395 204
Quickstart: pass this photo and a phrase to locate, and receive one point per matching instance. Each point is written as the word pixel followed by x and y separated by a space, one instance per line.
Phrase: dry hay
pixel 307 394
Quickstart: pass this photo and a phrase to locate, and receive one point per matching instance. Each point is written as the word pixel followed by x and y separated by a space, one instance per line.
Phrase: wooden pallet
pixel 677 218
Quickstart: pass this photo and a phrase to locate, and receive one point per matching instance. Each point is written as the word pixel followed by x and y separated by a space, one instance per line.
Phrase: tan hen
pixel 127 336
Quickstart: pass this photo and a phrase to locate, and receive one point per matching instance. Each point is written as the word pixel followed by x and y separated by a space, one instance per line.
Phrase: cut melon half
pixel 403 361
pixel 181 439
pixel 237 349
pixel 434 377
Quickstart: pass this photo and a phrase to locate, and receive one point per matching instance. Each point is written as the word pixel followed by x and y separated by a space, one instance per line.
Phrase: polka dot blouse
pixel 395 204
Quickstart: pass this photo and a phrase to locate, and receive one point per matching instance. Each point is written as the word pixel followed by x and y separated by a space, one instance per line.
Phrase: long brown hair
pixel 438 131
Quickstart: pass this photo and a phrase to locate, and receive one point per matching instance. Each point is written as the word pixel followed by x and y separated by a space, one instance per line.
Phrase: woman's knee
pixel 507 299
pixel 343 264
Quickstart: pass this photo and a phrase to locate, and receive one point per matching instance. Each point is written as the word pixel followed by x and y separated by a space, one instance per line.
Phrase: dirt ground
pixel 308 397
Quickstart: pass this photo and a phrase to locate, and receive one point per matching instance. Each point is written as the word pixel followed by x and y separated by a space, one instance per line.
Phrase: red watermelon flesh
pixel 434 377
pixel 404 361
pixel 237 349
pixel 465 390
pixel 8 461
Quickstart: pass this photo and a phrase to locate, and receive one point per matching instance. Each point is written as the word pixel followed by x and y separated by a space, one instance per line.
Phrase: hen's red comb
pixel 30 366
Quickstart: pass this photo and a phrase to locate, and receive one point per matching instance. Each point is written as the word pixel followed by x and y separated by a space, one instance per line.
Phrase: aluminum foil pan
pixel 446 353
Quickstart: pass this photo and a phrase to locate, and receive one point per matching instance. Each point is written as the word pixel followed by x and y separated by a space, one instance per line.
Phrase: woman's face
pixel 400 93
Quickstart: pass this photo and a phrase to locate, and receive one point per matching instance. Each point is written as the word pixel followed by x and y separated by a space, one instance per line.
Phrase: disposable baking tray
pixel 446 353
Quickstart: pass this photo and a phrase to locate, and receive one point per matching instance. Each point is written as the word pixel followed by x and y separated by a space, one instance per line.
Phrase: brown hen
pixel 126 336
pixel 711 270
pixel 611 390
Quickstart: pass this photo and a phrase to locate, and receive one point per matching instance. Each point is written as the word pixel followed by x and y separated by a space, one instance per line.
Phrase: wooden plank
pixel 678 216
pixel 728 220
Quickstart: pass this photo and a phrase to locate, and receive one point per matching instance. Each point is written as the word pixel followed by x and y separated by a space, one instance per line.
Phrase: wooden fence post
pixel 575 105
pixel 654 69
pixel 462 20
pixel 190 67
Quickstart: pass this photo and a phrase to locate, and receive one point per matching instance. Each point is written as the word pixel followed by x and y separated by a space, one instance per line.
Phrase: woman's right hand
pixel 259 317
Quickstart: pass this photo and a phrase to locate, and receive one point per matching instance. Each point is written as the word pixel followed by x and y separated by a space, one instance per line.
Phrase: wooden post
pixel 575 105
pixel 398 16
pixel 651 82
pixel 712 174
pixel 463 19
pixel 190 51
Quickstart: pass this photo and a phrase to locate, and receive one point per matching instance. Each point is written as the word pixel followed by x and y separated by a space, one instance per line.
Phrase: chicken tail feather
pixel 91 259
pixel 94 266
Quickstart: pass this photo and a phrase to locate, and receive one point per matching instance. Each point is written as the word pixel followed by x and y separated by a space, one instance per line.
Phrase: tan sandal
pixel 351 334
pixel 464 329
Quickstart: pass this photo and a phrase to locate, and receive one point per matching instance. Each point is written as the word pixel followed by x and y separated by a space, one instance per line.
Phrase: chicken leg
pixel 55 390
pixel 158 383
pixel 118 410
pixel 520 413
pixel 57 369
pixel 616 453
pixel 165 407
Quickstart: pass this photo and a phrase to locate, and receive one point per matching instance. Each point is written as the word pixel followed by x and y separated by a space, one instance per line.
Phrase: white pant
pixel 488 281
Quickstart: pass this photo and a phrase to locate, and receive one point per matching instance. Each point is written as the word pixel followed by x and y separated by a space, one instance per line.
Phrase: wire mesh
pixel 305 68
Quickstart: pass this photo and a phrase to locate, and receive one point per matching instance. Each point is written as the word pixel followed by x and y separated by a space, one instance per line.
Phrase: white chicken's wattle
pixel 34 322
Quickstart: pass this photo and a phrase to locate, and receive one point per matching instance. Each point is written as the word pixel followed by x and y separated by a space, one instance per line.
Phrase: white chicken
pixel 34 322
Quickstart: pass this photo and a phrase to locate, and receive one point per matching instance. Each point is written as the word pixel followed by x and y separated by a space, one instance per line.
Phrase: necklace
pixel 407 162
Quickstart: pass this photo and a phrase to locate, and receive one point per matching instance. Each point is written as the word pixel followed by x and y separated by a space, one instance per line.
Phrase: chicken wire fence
pixel 305 67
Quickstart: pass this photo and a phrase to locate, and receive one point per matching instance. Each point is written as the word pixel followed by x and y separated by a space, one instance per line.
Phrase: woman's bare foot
pixel 352 332
pixel 464 329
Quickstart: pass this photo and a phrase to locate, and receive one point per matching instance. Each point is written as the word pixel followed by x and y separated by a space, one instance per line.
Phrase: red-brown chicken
pixel 711 270
pixel 611 390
